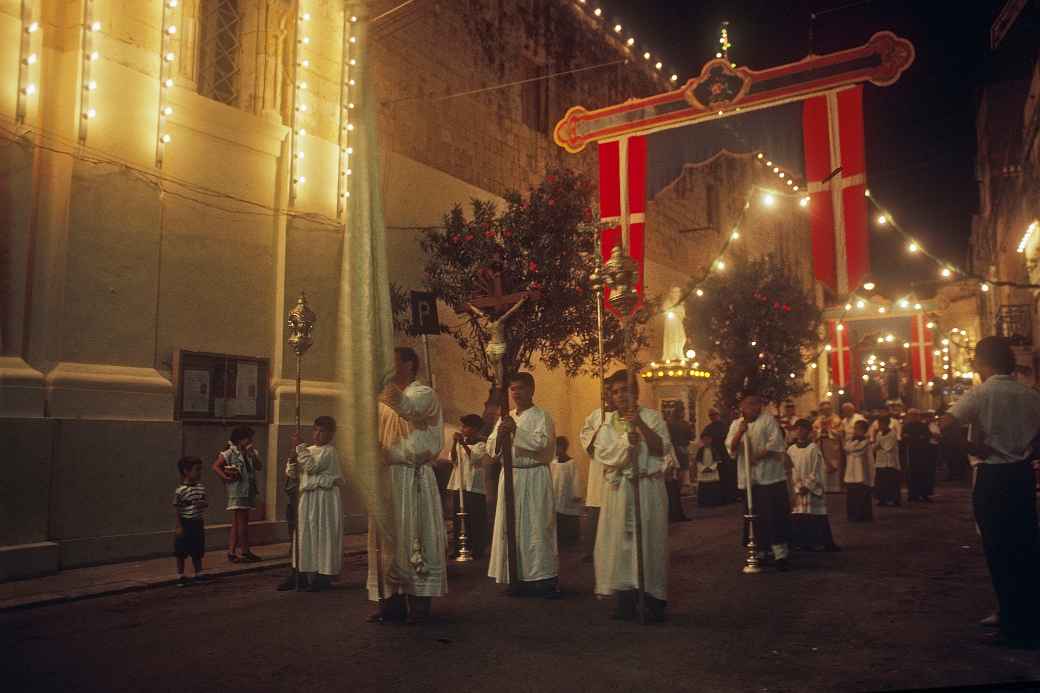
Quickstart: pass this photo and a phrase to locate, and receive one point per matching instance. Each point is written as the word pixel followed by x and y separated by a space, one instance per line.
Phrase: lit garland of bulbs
pixel 167 57
pixel 350 73
pixel 629 43
pixel 28 59
pixel 89 37
pixel 300 107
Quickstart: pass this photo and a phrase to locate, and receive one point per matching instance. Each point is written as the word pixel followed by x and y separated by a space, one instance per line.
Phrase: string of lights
pixel 167 56
pixel 89 38
pixel 346 105
pixel 301 64
pixel 597 15
pixel 28 59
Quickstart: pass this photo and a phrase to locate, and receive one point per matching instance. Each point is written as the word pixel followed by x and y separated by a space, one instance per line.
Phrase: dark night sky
pixel 920 132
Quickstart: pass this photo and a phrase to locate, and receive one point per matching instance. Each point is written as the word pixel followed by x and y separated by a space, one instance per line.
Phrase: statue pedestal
pixel 675 384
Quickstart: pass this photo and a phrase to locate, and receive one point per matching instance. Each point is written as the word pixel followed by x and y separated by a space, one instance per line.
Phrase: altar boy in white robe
pixel 594 490
pixel 534 443
pixel 615 560
pixel 411 435
pixel 320 509
pixel 772 504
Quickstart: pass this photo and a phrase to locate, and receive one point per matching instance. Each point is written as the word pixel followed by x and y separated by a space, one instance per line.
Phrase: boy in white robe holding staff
pixel 617 568
pixel 534 443
pixel 769 497
pixel 319 508
pixel 594 490
pixel 414 557
pixel 468 456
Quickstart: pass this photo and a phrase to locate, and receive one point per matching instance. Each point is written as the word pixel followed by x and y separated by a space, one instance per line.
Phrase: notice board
pixel 221 387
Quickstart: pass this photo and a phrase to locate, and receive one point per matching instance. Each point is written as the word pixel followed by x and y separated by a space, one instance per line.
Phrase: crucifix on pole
pixel 495 299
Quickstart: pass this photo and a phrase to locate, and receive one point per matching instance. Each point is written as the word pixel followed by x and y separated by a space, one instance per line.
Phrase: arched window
pixel 220 51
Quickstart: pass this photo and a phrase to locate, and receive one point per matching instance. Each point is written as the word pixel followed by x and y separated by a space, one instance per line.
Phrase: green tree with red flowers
pixel 542 242
pixel 757 326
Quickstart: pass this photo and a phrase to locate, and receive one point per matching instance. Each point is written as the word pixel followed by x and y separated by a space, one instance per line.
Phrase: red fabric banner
pixel 622 164
pixel 835 172
pixel 840 356
pixel 922 346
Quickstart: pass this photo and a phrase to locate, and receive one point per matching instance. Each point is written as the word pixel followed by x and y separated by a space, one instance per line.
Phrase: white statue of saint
pixel 674 330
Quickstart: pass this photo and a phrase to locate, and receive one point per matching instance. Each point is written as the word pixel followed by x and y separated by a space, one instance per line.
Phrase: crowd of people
pixel 784 465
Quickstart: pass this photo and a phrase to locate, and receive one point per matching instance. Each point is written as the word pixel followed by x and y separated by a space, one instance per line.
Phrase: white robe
pixel 808 473
pixel 320 509
pixel 565 487
pixel 594 488
pixel 534 444
pixel 764 433
pixel 410 437
pixel 615 557
pixel 828 436
pixel 469 466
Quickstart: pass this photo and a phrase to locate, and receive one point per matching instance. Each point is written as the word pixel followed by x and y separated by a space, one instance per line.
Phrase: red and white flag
pixel 841 355
pixel 922 347
pixel 622 198
pixel 835 172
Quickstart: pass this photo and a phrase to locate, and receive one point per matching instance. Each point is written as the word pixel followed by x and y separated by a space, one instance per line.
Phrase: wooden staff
pixel 633 461
pixel 505 446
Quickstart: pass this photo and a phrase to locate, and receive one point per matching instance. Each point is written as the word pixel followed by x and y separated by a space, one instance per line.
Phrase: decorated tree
pixel 543 243
pixel 758 329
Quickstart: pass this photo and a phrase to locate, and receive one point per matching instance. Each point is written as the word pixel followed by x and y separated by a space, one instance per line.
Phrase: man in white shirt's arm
pixel 1005 414
pixel 772 504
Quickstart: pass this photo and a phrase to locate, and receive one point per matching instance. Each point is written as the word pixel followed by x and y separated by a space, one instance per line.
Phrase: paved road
pixel 897 609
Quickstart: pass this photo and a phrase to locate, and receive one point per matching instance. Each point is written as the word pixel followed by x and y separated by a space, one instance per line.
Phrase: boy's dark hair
pixel 185 464
pixel 562 439
pixel 621 376
pixel 885 420
pixel 803 423
pixel 996 353
pixel 240 433
pixel 522 377
pixel 473 421
pixel 862 423
pixel 408 355
pixel 326 422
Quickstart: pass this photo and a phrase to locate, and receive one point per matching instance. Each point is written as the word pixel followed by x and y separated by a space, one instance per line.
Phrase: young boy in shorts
pixel 190 535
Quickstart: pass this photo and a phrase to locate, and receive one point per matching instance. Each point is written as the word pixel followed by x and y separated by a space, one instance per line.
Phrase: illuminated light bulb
pixel 769 163
pixel 840 328
pixel 30 89
pixel 945 272
pixel 782 174
pixel 347 172
pixel 759 155
pixel 735 235
pixel 936 352
pixel 353 18
pixel 305 63
pixel 94 55
pixel 350 127
pixel 903 303
pixel 803 202
pixel 913 247
pixel 302 108
pixel 351 82
pixel 790 182
pixel 165 138
pixel 906 345
pixel 699 292
pixel 841 392
pixel 349 150
pixel 930 325
pixel 31 59
pixel 882 220
pixel 881 309
pixel 299 155
pixel 945 342
pixel 718 55
pixel 170 57
pixel 848 306
pixel 861 304
pixel 796 190
pixel 171 3
pixel 306 16
pixel 946 376
pixel 92 85
pixel 658 65
pixel 305 40
pixel 866 193
pixel 597 12
pixel 720 265
pixel 630 42
pixel 91 113
pixel 646 56
pixel 301 180
pixel 301 85
pixel 350 105
pixel 869 286
pixel 171 30
pixel 984 286
pixel 671 315
pixel 917 306
pixel 768 200
pixel 830 393
pixel 828 348
pixel 167 110
pixel 690 353
pixel 889 338
pixel 866 377
pixel 617 28
pixel 674 78
pixel 353 39
pixel 352 62
pixel 33 27
pixel 793 375
pixel 168 82
pixel 880 340
pixel 776 169
pixel 812 365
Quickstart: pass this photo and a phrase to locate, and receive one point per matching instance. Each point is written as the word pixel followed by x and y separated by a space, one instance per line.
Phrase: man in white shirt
pixel 766 446
pixel 468 457
pixel 564 473
pixel 1005 414
pixel 411 435
pixel 534 442
pixel 849 417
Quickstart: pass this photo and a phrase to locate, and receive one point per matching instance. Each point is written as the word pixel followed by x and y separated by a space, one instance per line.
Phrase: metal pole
pixel 429 366
pixel 506 446
pixel 464 553
pixel 751 563
pixel 633 459
pixel 296 499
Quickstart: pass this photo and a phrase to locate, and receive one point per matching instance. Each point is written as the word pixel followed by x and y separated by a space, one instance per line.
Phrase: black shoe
pixel 250 557
pixel 318 583
pixel 183 581
pixel 626 606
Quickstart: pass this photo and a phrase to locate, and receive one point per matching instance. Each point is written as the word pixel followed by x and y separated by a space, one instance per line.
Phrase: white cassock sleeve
pixel 775 441
pixel 535 438
pixel 590 428
pixel 731 437
pixel 419 404
pixel 816 481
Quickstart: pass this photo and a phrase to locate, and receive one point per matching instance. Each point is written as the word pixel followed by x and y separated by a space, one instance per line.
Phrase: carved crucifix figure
pixel 497 348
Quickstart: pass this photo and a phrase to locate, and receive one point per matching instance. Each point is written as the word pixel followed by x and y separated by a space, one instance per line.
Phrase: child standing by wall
pixel 565 490
pixel 886 462
pixel 237 466
pixel 190 535
pixel 859 475
pixel 810 525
